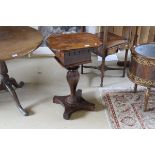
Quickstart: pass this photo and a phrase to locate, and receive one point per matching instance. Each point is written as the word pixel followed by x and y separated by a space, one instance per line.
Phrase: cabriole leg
pixel 7 83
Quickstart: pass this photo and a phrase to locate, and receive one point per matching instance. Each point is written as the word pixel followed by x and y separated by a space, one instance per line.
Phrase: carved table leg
pixel 74 101
pixel 147 94
pixel 15 84
pixel 102 69
pixel 8 83
pixel 81 69
pixel 135 88
pixel 125 62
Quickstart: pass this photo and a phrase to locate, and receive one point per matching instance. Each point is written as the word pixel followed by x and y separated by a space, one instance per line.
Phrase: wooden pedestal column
pixel 74 101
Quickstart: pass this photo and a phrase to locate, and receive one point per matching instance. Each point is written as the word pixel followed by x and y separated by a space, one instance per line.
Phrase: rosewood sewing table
pixel 15 41
pixel 72 50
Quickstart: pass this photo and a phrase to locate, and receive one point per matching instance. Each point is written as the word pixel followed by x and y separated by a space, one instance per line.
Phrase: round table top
pixel 146 50
pixel 17 41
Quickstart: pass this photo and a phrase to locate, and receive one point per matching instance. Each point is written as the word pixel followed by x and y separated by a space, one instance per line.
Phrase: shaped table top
pixel 65 42
pixel 17 41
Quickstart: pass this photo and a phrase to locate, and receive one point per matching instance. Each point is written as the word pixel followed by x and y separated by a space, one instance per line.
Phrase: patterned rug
pixel 125 110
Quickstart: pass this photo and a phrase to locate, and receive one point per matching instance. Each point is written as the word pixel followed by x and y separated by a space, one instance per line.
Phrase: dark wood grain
pixel 7 83
pixel 65 42
pixel 17 41
pixel 74 101
pixel 142 67
pixel 72 50
pixel 111 44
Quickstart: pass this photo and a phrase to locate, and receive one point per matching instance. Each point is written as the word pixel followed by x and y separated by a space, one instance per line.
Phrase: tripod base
pixel 8 84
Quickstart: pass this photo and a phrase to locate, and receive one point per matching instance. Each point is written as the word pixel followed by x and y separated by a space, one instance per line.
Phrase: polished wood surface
pixel 17 41
pixel 111 44
pixel 142 68
pixel 65 42
pixel 74 101
pixel 112 39
pixel 72 50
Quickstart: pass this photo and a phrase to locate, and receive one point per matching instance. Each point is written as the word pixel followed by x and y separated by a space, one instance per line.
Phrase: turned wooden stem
pixel 74 101
pixel 125 62
pixel 3 73
pixel 73 77
pixel 135 88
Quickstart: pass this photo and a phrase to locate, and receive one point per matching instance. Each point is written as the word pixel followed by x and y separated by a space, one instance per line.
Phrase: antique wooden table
pixel 142 68
pixel 15 41
pixel 72 50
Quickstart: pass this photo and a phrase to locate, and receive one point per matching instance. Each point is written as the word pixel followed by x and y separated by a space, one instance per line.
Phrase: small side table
pixel 142 68
pixel 15 41
pixel 72 50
